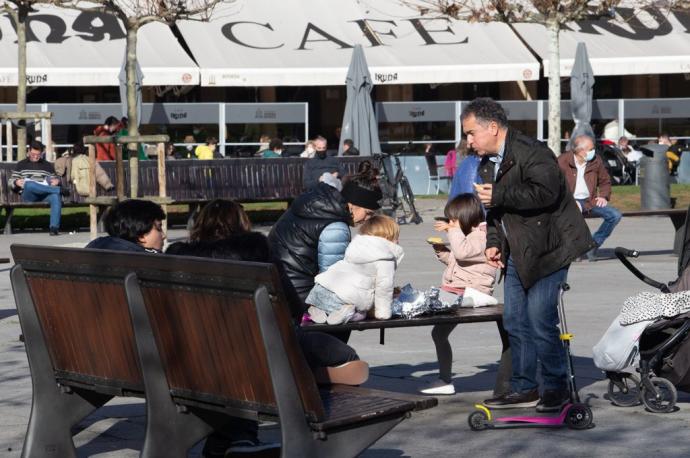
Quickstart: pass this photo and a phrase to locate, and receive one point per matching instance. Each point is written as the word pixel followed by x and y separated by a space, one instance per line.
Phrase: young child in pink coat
pixel 466 267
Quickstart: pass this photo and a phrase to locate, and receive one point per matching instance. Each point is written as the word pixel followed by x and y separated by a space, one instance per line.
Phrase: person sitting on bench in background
pixel 35 179
pixel 132 225
pixel 590 183
pixel 223 231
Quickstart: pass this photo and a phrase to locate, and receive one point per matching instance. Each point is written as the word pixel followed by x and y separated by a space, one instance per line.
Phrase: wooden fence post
pixel 93 209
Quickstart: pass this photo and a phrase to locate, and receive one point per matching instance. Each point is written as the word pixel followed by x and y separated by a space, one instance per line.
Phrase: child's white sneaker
pixel 317 315
pixel 342 315
pixel 439 387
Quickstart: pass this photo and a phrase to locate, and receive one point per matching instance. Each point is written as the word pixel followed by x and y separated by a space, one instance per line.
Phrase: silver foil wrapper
pixel 412 302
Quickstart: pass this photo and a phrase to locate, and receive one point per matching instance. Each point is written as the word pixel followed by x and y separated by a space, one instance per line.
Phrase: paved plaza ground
pixel 407 361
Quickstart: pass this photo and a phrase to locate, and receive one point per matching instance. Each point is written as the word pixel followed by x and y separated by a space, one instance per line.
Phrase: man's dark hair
pixel 110 120
pixel 132 219
pixel 467 210
pixel 211 141
pixel 485 110
pixel 276 143
pixel 78 149
pixel 36 145
pixel 348 142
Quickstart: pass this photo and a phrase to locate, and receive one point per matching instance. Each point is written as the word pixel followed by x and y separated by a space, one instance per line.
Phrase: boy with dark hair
pixel 133 225
pixel 275 149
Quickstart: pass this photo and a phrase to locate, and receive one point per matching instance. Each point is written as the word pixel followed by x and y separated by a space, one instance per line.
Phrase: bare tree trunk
pixel 132 115
pixel 553 28
pixel 21 18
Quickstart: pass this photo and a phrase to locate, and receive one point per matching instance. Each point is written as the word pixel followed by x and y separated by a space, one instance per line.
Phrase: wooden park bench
pixel 459 316
pixel 189 182
pixel 202 340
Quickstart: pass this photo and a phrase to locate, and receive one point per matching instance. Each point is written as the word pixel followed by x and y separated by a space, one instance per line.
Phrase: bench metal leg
pixel 505 367
pixel 171 430
pixel 9 211
pixel 54 410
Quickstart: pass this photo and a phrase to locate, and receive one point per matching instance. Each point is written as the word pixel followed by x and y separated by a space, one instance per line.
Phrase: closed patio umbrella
pixel 359 120
pixel 581 88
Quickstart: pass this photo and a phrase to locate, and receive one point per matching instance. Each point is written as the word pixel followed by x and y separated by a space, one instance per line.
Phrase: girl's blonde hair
pixel 381 226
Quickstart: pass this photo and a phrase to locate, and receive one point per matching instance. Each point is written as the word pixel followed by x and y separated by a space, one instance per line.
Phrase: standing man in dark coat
pixel 535 230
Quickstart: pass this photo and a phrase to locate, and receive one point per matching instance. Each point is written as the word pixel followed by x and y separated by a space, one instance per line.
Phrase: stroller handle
pixel 623 253
pixel 620 251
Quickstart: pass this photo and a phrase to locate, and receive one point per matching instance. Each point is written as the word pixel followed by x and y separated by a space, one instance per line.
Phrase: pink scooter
pixel 575 414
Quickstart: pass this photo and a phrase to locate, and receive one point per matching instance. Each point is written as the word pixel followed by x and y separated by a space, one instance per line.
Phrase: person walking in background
pixel 275 149
pixel 206 152
pixel 590 184
pixel 454 157
pixel 107 151
pixel 35 179
pixel 535 230
pixel 123 132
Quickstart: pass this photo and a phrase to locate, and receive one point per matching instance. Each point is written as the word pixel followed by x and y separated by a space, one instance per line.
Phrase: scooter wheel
pixel 478 421
pixel 626 391
pixel 664 400
pixel 579 416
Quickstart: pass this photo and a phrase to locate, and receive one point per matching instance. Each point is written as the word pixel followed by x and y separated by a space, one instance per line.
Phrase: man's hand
pixel 601 202
pixel 54 182
pixel 19 183
pixel 484 192
pixel 493 257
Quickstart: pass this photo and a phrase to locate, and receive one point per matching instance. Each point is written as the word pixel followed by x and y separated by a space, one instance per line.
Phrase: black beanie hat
pixel 362 197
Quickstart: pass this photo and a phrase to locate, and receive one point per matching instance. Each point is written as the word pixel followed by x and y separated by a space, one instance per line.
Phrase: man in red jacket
pixel 106 151
pixel 590 184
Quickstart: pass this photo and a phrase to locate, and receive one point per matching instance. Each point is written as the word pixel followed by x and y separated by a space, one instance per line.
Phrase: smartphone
pixel 442 218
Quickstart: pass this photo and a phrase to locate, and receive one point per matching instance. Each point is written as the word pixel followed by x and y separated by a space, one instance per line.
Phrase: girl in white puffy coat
pixel 363 279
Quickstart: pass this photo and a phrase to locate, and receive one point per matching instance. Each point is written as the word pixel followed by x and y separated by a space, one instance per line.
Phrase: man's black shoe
pixel 514 400
pixel 553 401
pixel 54 231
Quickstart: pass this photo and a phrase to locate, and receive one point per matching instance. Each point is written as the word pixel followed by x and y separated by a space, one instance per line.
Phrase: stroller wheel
pixel 664 399
pixel 579 416
pixel 625 392
pixel 478 420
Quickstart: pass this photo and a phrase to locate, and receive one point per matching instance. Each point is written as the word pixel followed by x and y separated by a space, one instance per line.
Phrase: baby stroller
pixel 620 170
pixel 663 349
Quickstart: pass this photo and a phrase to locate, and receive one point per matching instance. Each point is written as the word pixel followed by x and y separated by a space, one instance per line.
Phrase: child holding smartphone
pixel 466 266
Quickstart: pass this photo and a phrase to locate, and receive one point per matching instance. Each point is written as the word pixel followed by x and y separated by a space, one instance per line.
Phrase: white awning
pixel 71 48
pixel 650 43
pixel 309 42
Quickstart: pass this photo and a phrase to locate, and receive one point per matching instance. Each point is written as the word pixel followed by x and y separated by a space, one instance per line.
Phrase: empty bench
pixel 202 340
pixel 458 316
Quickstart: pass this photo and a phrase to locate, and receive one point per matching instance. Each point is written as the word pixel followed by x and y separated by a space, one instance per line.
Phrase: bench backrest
pixel 204 319
pixel 81 306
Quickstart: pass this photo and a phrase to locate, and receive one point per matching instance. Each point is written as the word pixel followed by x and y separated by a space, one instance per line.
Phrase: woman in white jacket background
pixel 363 279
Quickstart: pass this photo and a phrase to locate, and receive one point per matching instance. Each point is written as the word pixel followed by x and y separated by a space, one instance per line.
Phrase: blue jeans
pixel 530 317
pixel 36 192
pixel 611 216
